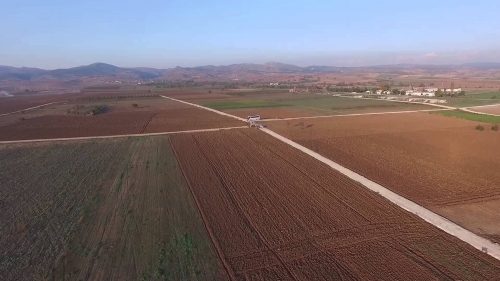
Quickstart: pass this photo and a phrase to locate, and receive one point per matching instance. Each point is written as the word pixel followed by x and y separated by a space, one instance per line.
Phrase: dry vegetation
pixel 100 210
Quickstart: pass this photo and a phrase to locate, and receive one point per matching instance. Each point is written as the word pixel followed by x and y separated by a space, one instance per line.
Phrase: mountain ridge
pixel 100 69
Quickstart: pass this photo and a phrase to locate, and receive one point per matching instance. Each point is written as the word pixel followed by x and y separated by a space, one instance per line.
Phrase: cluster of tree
pixel 349 89
pixel 343 84
pixel 385 87
pixel 440 93
pixel 82 110
pixel 398 92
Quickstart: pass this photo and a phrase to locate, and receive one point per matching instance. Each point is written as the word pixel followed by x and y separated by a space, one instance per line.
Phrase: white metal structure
pixel 253 118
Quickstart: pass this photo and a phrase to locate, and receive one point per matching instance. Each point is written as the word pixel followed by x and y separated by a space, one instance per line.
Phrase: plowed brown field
pixel 442 163
pixel 278 214
pixel 177 118
pixel 47 127
pixel 189 119
pixel 12 104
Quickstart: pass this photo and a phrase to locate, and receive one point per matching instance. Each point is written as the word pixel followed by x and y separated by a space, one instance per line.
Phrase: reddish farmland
pixel 276 213
pixel 148 117
pixel 189 119
pixel 47 127
pixel 17 103
pixel 442 163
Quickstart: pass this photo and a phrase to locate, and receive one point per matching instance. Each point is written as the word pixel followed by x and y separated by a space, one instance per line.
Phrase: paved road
pixel 207 108
pixel 29 108
pixel 122 136
pixel 432 218
pixel 354 114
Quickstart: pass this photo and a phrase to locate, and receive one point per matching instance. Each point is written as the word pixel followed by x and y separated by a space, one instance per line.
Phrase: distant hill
pixel 144 73
pixel 483 65
pixel 22 73
pixel 103 69
pixel 92 70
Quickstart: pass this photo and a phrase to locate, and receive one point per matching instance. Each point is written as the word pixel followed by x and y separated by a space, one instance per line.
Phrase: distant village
pixel 423 92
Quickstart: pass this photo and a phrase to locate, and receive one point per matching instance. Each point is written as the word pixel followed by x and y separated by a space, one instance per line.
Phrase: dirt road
pixel 354 114
pixel 206 108
pixel 471 109
pixel 35 107
pixel 432 218
pixel 122 136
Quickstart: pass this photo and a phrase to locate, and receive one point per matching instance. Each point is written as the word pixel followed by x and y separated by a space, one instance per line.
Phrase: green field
pixel 319 105
pixel 222 105
pixel 114 209
pixel 469 116
pixel 474 99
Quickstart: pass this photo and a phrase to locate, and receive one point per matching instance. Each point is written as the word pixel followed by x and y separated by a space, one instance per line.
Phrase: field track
pixel 354 114
pixel 471 109
pixel 206 108
pixel 121 136
pixel 438 221
pixel 429 216
pixel 35 107
pixel 277 214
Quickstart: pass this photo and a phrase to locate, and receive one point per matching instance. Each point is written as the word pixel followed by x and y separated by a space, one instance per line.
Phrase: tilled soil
pixel 436 161
pixel 118 123
pixel 276 213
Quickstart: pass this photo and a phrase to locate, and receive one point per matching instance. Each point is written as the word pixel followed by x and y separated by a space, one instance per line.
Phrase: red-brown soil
pixel 118 122
pixel 47 127
pixel 276 213
pixel 17 103
pixel 189 119
pixel 437 161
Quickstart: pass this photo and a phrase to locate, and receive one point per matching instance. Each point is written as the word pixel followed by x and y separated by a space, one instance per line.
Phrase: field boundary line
pixel 31 108
pixel 124 136
pixel 410 206
pixel 217 247
pixel 353 114
pixel 413 102
pixel 206 108
pixel 147 124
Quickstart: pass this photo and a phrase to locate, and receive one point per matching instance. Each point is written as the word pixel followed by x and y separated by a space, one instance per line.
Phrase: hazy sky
pixel 61 33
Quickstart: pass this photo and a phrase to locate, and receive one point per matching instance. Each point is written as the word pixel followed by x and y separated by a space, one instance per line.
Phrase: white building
pixel 422 94
pixel 431 90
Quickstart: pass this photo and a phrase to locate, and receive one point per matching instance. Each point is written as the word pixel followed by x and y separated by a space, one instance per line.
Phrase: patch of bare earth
pixel 442 163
